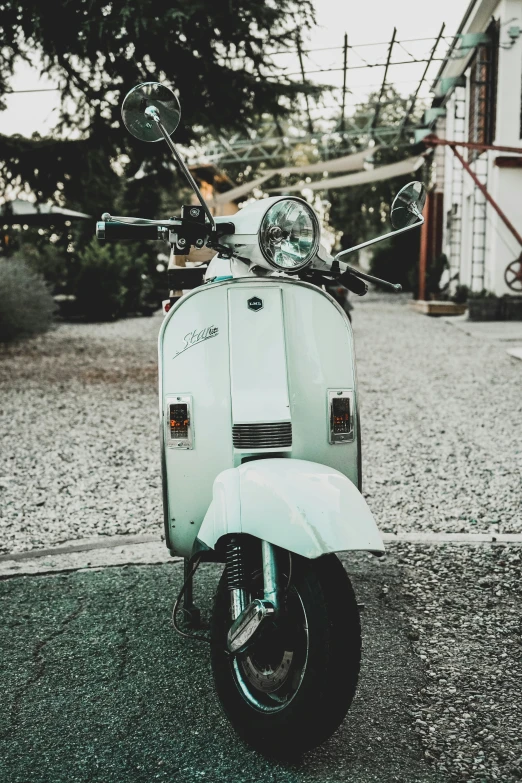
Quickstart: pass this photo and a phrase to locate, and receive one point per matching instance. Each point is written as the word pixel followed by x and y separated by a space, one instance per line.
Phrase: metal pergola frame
pixel 435 141
pixel 272 143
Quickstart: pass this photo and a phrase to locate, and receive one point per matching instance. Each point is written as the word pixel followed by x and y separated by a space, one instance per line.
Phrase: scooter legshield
pixel 303 507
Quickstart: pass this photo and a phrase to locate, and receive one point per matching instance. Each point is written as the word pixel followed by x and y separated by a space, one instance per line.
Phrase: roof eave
pixel 457 66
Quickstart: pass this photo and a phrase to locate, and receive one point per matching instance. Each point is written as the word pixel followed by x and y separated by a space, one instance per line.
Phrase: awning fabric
pixel 241 190
pixel 21 211
pixel 354 162
pixel 391 170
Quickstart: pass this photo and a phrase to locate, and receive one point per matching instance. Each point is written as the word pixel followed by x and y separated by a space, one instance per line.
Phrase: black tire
pixel 307 704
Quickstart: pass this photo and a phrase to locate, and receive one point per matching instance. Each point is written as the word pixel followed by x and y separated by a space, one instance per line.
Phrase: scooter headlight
pixel 289 235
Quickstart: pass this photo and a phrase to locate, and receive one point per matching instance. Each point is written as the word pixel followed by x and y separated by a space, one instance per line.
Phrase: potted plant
pixel 484 306
pixel 460 295
pixel 512 307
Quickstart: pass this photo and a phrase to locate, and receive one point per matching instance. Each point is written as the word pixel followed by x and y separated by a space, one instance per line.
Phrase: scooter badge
pixel 255 303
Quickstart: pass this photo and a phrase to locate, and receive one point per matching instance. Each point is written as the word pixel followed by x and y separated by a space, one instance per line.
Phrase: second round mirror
pixel 408 205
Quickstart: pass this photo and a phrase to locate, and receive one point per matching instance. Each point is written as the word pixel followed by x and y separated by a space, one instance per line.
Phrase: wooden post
pixel 345 65
pixel 300 55
pixel 423 254
pixel 383 85
pixel 434 228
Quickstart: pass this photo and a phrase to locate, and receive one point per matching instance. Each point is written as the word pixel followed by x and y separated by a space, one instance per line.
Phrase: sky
pixel 373 20
pixel 365 22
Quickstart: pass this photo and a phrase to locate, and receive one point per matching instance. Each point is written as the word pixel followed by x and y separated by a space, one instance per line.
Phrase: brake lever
pixel 351 282
pixel 371 279
pixel 131 221
pixel 333 269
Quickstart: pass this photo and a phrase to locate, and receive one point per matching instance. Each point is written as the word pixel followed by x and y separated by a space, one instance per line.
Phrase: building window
pixel 483 92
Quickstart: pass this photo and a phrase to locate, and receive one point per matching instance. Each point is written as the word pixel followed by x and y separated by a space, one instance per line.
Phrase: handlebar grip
pixel 353 283
pixel 114 230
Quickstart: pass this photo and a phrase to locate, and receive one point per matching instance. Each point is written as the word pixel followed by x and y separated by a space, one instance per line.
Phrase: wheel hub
pixel 270 672
pixel 268 678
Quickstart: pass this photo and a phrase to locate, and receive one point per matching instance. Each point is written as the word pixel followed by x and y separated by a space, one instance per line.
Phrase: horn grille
pixel 262 436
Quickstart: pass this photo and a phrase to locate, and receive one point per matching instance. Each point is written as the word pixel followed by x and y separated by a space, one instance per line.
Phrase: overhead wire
pixel 364 45
pixel 290 52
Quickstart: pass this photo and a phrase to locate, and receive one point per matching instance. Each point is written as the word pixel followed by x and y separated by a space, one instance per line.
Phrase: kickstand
pixel 191 613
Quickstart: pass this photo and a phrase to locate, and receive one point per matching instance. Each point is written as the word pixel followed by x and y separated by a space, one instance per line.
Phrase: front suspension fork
pixel 237 584
pixel 270 574
pixel 250 617
pixel 236 578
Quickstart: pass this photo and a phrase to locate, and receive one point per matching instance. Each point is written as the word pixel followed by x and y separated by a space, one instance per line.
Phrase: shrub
pixel 461 294
pixel 111 282
pixel 46 259
pixel 484 294
pixel 26 304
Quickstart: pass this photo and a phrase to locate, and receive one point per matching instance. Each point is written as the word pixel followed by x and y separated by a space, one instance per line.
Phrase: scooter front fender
pixel 303 507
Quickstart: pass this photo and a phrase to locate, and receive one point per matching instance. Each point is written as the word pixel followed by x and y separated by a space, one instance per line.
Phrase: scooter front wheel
pixel 292 688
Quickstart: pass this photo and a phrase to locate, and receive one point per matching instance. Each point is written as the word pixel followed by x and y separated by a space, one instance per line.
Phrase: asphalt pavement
pixel 98 687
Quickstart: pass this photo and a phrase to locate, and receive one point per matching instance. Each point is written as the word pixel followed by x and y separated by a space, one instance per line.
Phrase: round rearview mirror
pixel 143 97
pixel 408 205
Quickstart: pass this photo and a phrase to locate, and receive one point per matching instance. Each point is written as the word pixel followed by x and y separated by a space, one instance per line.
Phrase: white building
pixel 479 94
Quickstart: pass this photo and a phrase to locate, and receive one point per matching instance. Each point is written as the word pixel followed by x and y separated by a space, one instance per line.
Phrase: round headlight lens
pixel 289 234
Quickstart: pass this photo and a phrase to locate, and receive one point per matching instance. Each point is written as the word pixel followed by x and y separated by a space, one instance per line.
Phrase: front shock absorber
pixel 270 574
pixel 236 579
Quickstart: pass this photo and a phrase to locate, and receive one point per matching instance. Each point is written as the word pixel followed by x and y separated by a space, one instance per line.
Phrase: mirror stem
pixel 379 239
pixel 154 114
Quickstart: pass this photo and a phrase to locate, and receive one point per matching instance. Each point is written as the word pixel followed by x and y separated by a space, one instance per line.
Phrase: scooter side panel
pixel 194 360
pixel 301 506
pixel 320 356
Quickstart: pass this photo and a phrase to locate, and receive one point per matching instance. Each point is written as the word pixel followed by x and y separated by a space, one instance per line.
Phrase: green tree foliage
pixel 49 259
pixel 106 281
pixel 111 281
pixel 26 305
pixel 215 54
pixel 396 260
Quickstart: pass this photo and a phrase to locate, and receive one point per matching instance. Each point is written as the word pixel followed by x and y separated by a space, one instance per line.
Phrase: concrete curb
pixel 453 538
pixel 106 552
pixel 82 545
pixel 503 333
pixel 89 555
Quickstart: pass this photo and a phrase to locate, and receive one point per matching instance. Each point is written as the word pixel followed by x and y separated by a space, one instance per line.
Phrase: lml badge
pixel 255 303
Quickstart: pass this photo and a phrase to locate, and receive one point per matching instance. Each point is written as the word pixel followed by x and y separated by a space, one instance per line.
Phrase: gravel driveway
pixel 79 435
pixel 442 420
pixel 441 417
